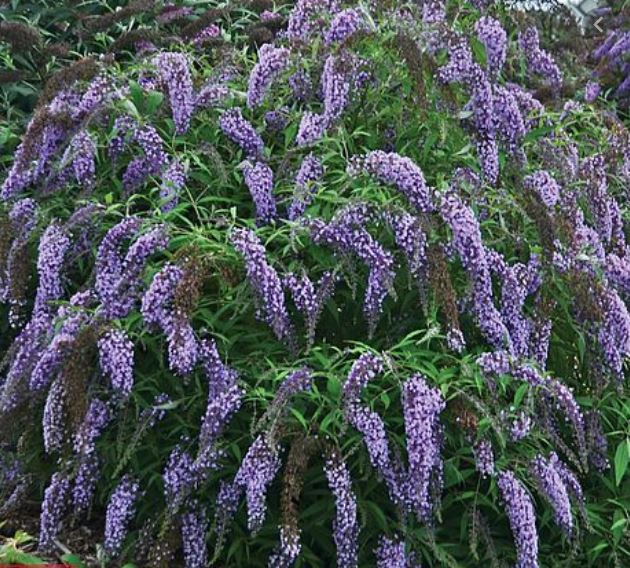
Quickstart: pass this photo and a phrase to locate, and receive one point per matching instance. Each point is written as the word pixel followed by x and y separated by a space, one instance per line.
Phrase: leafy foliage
pixel 290 284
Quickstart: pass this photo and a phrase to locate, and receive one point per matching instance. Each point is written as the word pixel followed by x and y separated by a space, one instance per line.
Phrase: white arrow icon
pixel 596 24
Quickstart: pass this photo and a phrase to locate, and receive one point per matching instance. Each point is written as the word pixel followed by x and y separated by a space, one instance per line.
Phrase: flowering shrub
pixel 335 282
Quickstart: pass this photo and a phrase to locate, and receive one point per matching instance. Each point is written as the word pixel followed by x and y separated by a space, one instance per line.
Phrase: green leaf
pixel 137 93
pixel 333 386
pixel 73 560
pixel 385 400
pixel 154 100
pixel 520 394
pixel 300 418
pixel 622 457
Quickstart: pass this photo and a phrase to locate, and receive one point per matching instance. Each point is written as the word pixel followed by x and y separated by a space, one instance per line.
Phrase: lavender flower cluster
pixel 526 244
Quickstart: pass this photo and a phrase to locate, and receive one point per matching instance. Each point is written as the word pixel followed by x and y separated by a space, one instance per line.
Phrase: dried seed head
pixel 21 37
pixel 77 369
pixel 104 22
pixel 442 286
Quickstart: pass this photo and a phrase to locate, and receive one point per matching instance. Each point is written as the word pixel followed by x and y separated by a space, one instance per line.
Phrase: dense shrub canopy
pixel 316 283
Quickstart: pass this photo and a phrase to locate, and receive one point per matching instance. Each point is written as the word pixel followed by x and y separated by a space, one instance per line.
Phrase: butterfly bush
pixel 266 283
pixel 259 181
pixel 194 527
pixel 310 299
pixel 494 38
pixel 181 477
pixel 152 160
pixel 431 202
pixel 469 245
pixel 258 469
pixel 272 61
pixel 422 406
pixel 390 553
pixel 544 186
pixel 83 160
pixel 336 88
pixel 173 181
pixel 303 19
pixel 399 171
pixel 538 60
pixel 52 248
pixel 85 483
pixel 120 511
pixel 174 72
pixel 116 360
pixel 159 309
pixel 552 487
pixel 301 85
pixel 96 419
pixel 344 25
pixel 347 237
pixel 311 170
pixel 54 509
pixel 520 512
pixel 53 421
pixel 241 132
pixel 484 457
pixel 345 525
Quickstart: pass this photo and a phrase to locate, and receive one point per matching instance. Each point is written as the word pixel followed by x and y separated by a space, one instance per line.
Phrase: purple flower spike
pixel 220 377
pixel 272 61
pixel 259 181
pixel 120 511
pixel 157 299
pixel 544 186
pixel 310 300
pixel 96 419
pixel 591 91
pixel 219 411
pixel 391 168
pixel 312 128
pixel 336 88
pixel 469 245
pixel 180 477
pixel 158 310
pixel 520 512
pixel 260 466
pixel 241 132
pixel 551 485
pixel 54 419
pixel 484 457
pixel 363 370
pixel 194 529
pixel 345 525
pixel 54 509
pixel 85 483
pixel 305 17
pixel 311 170
pixel 118 278
pixel 52 248
pixel 116 360
pixel 109 256
pixel 266 283
pixel 173 181
pixel 174 72
pixel 422 406
pixel 538 60
pixel 83 151
pixel 494 38
pixel 391 553
pixel 344 25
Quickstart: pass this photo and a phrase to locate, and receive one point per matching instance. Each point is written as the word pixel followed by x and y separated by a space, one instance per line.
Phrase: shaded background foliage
pixel 399 105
